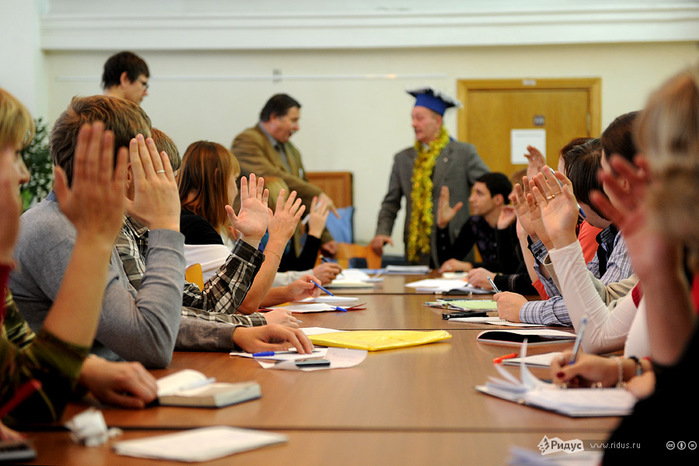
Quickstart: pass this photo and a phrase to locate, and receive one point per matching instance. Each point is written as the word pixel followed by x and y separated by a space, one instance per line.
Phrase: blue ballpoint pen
pixel 267 354
pixel 321 288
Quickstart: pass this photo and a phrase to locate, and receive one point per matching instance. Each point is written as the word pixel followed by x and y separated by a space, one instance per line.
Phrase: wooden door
pixel 564 108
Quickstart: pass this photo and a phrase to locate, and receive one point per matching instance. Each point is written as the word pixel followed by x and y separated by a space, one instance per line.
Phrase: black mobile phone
pixel 457 314
pixel 313 363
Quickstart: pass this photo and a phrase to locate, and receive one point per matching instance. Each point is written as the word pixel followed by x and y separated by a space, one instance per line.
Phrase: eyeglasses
pixel 143 83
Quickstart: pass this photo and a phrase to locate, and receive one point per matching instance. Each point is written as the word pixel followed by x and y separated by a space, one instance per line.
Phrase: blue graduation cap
pixel 434 100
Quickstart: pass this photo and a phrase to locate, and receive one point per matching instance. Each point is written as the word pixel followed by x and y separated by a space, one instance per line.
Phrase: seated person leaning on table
pixel 522 280
pixel 206 184
pixel 147 323
pixel 496 242
pixel 658 230
pixel 56 356
pixel 610 268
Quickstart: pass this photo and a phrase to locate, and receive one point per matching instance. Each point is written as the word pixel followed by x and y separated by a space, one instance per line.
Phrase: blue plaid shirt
pixel 553 311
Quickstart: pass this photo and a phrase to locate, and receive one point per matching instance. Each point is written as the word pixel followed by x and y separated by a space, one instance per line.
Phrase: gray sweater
pixel 143 325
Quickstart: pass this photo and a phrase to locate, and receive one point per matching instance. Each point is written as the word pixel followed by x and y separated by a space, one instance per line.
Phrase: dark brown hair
pixel 125 118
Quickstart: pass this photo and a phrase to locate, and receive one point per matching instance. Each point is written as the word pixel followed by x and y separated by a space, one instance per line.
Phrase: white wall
pixel 355 124
pixel 353 118
pixel 21 59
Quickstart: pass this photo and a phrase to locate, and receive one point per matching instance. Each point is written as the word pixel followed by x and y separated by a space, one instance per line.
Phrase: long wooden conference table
pixel 406 406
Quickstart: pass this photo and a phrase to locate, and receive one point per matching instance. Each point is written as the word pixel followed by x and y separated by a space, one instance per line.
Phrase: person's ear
pixel 129 181
pixel 124 78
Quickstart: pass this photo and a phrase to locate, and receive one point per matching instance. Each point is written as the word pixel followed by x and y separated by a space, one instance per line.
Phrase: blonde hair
pixel 163 142
pixel 668 133
pixel 16 124
pixel 668 128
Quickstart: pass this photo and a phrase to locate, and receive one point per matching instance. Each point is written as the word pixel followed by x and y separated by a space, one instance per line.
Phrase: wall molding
pixel 205 30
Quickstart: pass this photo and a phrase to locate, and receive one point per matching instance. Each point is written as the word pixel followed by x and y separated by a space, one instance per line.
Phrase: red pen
pixel 502 358
pixel 20 395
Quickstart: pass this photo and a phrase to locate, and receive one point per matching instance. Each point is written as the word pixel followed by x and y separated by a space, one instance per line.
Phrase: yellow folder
pixel 377 340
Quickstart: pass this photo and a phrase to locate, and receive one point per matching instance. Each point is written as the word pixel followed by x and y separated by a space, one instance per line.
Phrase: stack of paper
pixel 464 304
pixel 442 285
pixel 407 270
pixel 352 278
pixel 302 308
pixel 203 444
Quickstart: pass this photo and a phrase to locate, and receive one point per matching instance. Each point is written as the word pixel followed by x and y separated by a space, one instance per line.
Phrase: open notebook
pixel 574 402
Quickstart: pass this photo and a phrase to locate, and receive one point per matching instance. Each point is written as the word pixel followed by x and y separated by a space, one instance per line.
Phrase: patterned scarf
pixel 421 217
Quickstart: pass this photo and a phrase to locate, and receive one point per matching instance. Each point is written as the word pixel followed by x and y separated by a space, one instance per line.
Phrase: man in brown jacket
pixel 266 151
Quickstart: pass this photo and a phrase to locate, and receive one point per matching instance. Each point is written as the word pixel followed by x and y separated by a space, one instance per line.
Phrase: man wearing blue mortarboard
pixel 419 172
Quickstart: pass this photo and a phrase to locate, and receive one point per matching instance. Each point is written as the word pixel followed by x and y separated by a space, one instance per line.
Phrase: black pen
pixel 457 314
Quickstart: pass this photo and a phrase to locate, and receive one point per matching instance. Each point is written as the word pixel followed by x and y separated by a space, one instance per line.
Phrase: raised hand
pixel 286 216
pixel 95 201
pixel 558 207
pixel 507 217
pixel 253 217
pixel 536 161
pixel 156 202
pixel 317 217
pixel 329 202
pixel 519 201
pixel 535 217
pixel 445 212
pixel 648 247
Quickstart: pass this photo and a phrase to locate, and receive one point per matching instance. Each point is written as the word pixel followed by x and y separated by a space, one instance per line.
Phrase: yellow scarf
pixel 421 216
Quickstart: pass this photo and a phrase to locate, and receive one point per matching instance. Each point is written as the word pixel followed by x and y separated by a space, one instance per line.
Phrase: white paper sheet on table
pixel 407 269
pixel 495 320
pixel 203 444
pixel 336 300
pixel 351 278
pixel 339 358
pixel 292 356
pixel 299 308
pixel 440 285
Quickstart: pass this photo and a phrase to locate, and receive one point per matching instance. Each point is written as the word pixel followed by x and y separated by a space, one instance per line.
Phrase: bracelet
pixel 639 367
pixel 620 373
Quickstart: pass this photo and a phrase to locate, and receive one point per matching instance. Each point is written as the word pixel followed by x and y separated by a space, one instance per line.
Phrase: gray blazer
pixel 458 166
